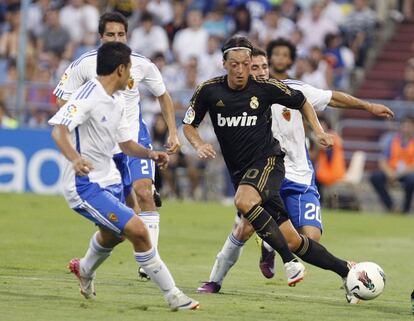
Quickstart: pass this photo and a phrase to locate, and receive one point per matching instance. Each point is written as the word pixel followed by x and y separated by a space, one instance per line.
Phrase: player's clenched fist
pixel 325 140
pixel 81 166
pixel 173 144
pixel 160 158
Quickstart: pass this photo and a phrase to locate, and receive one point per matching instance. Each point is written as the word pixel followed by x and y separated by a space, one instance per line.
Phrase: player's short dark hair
pixel 111 17
pixel 236 42
pixel 258 52
pixel 280 42
pixel 110 56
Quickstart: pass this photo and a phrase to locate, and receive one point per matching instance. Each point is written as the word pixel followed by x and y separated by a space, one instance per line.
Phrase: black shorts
pixel 266 176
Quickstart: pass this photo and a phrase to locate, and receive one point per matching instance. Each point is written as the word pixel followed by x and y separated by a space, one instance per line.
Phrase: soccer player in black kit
pixel 239 107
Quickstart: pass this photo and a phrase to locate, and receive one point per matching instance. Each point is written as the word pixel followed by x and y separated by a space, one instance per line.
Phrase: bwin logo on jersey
pixel 235 121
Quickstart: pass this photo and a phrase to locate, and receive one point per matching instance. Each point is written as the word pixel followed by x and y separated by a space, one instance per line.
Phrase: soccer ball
pixel 366 280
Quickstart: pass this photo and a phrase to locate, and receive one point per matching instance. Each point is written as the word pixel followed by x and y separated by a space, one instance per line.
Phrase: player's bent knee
pixel 144 194
pixel 246 198
pixel 311 232
pixel 143 191
pixel 136 231
pixel 315 236
pixel 244 204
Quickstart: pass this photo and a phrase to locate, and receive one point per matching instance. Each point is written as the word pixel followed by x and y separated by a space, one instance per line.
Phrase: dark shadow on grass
pixel 33 272
pixel 38 296
pixel 389 310
pixel 385 309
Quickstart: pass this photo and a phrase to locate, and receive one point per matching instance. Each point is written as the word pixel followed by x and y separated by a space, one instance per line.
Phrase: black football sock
pixel 314 253
pixel 267 229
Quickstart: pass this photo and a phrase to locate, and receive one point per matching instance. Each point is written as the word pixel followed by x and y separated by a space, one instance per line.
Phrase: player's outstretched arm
pixel 133 149
pixel 322 138
pixel 204 150
pixel 342 100
pixel 61 136
pixel 168 112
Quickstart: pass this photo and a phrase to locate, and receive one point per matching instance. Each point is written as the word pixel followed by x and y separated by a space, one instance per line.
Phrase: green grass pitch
pixel 40 234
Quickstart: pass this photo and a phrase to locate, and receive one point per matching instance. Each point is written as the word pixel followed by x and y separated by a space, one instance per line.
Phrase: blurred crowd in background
pixel 183 38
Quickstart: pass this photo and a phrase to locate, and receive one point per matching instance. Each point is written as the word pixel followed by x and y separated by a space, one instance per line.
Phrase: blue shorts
pixel 121 161
pixel 141 168
pixel 133 169
pixel 103 206
pixel 302 204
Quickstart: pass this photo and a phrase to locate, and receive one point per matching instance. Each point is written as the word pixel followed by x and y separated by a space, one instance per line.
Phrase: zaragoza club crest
pixel 130 83
pixel 286 114
pixel 112 217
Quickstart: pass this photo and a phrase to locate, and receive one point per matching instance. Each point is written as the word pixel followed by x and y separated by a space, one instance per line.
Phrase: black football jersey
pixel 242 118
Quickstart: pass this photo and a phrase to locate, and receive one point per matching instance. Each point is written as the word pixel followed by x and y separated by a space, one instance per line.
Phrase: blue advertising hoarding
pixel 29 161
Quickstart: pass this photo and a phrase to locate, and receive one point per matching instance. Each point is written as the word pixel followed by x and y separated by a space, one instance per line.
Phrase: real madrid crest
pixel 130 83
pixel 254 102
pixel 286 114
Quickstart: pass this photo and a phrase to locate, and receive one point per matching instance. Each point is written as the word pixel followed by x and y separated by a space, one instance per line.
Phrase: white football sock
pixel 226 258
pixel 156 269
pixel 152 222
pixel 94 257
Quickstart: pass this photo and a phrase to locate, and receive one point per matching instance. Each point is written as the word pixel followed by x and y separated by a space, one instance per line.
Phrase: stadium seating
pixel 384 79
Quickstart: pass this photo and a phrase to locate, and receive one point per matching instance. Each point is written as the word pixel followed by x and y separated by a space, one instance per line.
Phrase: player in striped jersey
pixel 298 191
pixel 86 129
pixel 137 174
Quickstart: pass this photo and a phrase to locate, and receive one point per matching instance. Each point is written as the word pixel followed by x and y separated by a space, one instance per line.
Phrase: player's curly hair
pixel 280 42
